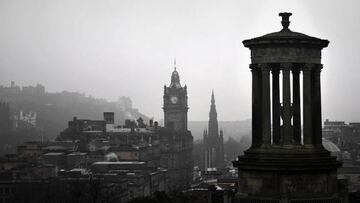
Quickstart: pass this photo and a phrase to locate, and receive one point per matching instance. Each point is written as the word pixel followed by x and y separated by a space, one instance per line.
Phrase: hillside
pixel 49 113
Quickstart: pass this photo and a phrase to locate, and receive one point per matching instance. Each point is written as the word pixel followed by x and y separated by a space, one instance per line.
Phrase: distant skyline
pixel 111 48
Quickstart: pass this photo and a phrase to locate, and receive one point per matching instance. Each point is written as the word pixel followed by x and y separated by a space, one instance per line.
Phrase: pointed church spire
pixel 212 97
pixel 213 123
pixel 214 144
pixel 212 106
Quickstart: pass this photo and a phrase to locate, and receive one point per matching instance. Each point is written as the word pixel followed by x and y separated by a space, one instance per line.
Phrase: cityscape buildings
pixel 130 161
pixel 291 158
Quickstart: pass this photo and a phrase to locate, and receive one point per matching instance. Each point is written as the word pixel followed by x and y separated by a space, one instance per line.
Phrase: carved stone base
pixel 293 174
pixel 321 200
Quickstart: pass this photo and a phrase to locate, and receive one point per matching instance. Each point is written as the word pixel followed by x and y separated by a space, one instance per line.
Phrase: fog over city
pixel 110 48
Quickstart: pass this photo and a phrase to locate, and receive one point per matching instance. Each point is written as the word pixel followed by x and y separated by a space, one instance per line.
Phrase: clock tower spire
pixel 175 104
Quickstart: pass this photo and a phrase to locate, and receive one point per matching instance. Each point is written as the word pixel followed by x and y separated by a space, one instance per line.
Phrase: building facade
pixel 175 105
pixel 176 141
pixel 213 141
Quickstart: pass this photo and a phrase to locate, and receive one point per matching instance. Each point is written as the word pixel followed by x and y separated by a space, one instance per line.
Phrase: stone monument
pixel 286 163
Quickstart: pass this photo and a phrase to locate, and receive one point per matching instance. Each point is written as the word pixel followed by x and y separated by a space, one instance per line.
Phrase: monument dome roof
pixel 286 36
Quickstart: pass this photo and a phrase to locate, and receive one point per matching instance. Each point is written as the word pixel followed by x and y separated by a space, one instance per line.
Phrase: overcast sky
pixel 126 48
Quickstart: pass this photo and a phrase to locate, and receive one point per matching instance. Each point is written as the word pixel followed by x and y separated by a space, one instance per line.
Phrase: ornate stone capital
pixel 317 68
pixel 296 69
pixel 253 66
pixel 265 68
pixel 286 66
pixel 275 68
pixel 308 67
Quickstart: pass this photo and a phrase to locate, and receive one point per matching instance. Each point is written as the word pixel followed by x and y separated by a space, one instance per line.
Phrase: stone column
pixel 276 103
pixel 265 103
pixel 256 106
pixel 307 105
pixel 287 135
pixel 316 106
pixel 296 105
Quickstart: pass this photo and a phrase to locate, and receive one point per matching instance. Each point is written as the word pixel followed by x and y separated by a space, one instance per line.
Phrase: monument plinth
pixel 286 163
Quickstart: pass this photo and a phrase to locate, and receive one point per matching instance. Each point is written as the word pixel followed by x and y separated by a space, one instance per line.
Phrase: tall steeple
pixel 212 98
pixel 213 141
pixel 213 122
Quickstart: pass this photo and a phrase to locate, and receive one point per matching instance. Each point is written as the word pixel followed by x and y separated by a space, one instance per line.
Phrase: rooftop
pixel 111 128
pixel 119 163
pixel 286 36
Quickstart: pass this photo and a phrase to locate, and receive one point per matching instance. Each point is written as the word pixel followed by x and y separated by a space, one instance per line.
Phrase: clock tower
pixel 175 104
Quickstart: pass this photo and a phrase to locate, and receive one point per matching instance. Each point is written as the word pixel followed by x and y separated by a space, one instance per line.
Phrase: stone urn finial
pixel 285 20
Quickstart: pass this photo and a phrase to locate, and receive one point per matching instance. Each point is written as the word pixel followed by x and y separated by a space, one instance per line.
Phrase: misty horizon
pixel 127 48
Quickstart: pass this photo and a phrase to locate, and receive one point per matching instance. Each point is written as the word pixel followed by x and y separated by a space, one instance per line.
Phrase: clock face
pixel 174 99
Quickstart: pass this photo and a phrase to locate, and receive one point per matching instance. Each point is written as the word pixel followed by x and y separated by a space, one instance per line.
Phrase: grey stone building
pixel 176 140
pixel 175 105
